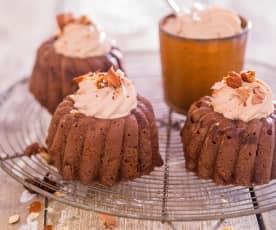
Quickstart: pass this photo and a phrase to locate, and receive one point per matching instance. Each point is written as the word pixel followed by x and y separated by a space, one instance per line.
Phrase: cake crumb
pixel 35 148
pixel 32 149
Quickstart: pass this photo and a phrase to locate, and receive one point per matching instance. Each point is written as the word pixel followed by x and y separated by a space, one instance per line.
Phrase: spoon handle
pixel 174 6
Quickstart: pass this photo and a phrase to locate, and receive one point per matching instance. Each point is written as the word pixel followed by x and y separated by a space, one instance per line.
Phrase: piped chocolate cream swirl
pixel 80 37
pixel 106 95
pixel 242 97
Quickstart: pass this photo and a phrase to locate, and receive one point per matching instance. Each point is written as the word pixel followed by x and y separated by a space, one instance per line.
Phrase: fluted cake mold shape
pixel 51 78
pixel 106 151
pixel 229 151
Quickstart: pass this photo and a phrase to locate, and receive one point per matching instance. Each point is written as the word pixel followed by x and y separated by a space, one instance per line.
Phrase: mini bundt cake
pixel 80 47
pixel 230 136
pixel 104 132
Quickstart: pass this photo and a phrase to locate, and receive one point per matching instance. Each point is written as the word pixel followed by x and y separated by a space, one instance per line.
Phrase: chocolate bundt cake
pixel 80 47
pixel 104 132
pixel 230 136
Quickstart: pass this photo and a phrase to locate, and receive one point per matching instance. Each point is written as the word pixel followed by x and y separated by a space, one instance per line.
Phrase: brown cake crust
pixel 129 162
pixel 93 149
pixel 228 151
pixel 103 150
pixel 52 75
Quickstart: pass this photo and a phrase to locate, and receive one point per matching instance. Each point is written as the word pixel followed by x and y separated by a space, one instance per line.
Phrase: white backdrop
pixel 133 23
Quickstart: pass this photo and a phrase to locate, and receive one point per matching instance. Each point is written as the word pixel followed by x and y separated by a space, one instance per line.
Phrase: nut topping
pixel 110 79
pixel 233 80
pixel 243 94
pixel 67 18
pixel 48 227
pixel 13 219
pixel 258 96
pixel 102 82
pixel 35 206
pixel 64 19
pixel 84 20
pixel 113 79
pixel 81 78
pixel 248 76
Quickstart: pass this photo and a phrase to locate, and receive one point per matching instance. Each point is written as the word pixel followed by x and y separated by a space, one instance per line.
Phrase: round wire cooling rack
pixel 170 193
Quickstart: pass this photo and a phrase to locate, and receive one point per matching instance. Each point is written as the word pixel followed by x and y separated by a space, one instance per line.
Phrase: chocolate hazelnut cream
pixel 244 100
pixel 105 95
pixel 204 23
pixel 82 40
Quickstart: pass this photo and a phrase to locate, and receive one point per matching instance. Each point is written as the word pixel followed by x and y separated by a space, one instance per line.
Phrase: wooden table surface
pixel 64 217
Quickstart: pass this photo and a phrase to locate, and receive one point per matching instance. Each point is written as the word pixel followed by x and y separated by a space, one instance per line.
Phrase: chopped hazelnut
pixel 257 100
pixel 48 227
pixel 113 79
pixel 80 78
pixel 101 82
pixel 243 94
pixel 248 76
pixel 259 91
pixel 13 219
pixel 64 19
pixel 109 79
pixel 35 206
pixel 84 20
pixel 233 80
pixel 258 96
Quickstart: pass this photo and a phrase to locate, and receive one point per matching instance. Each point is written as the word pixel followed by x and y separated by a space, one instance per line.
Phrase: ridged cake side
pixel 103 150
pixel 52 75
pixel 229 151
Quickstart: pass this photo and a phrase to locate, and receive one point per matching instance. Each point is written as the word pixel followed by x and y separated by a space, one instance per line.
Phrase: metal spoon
pixel 174 6
pixel 177 9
